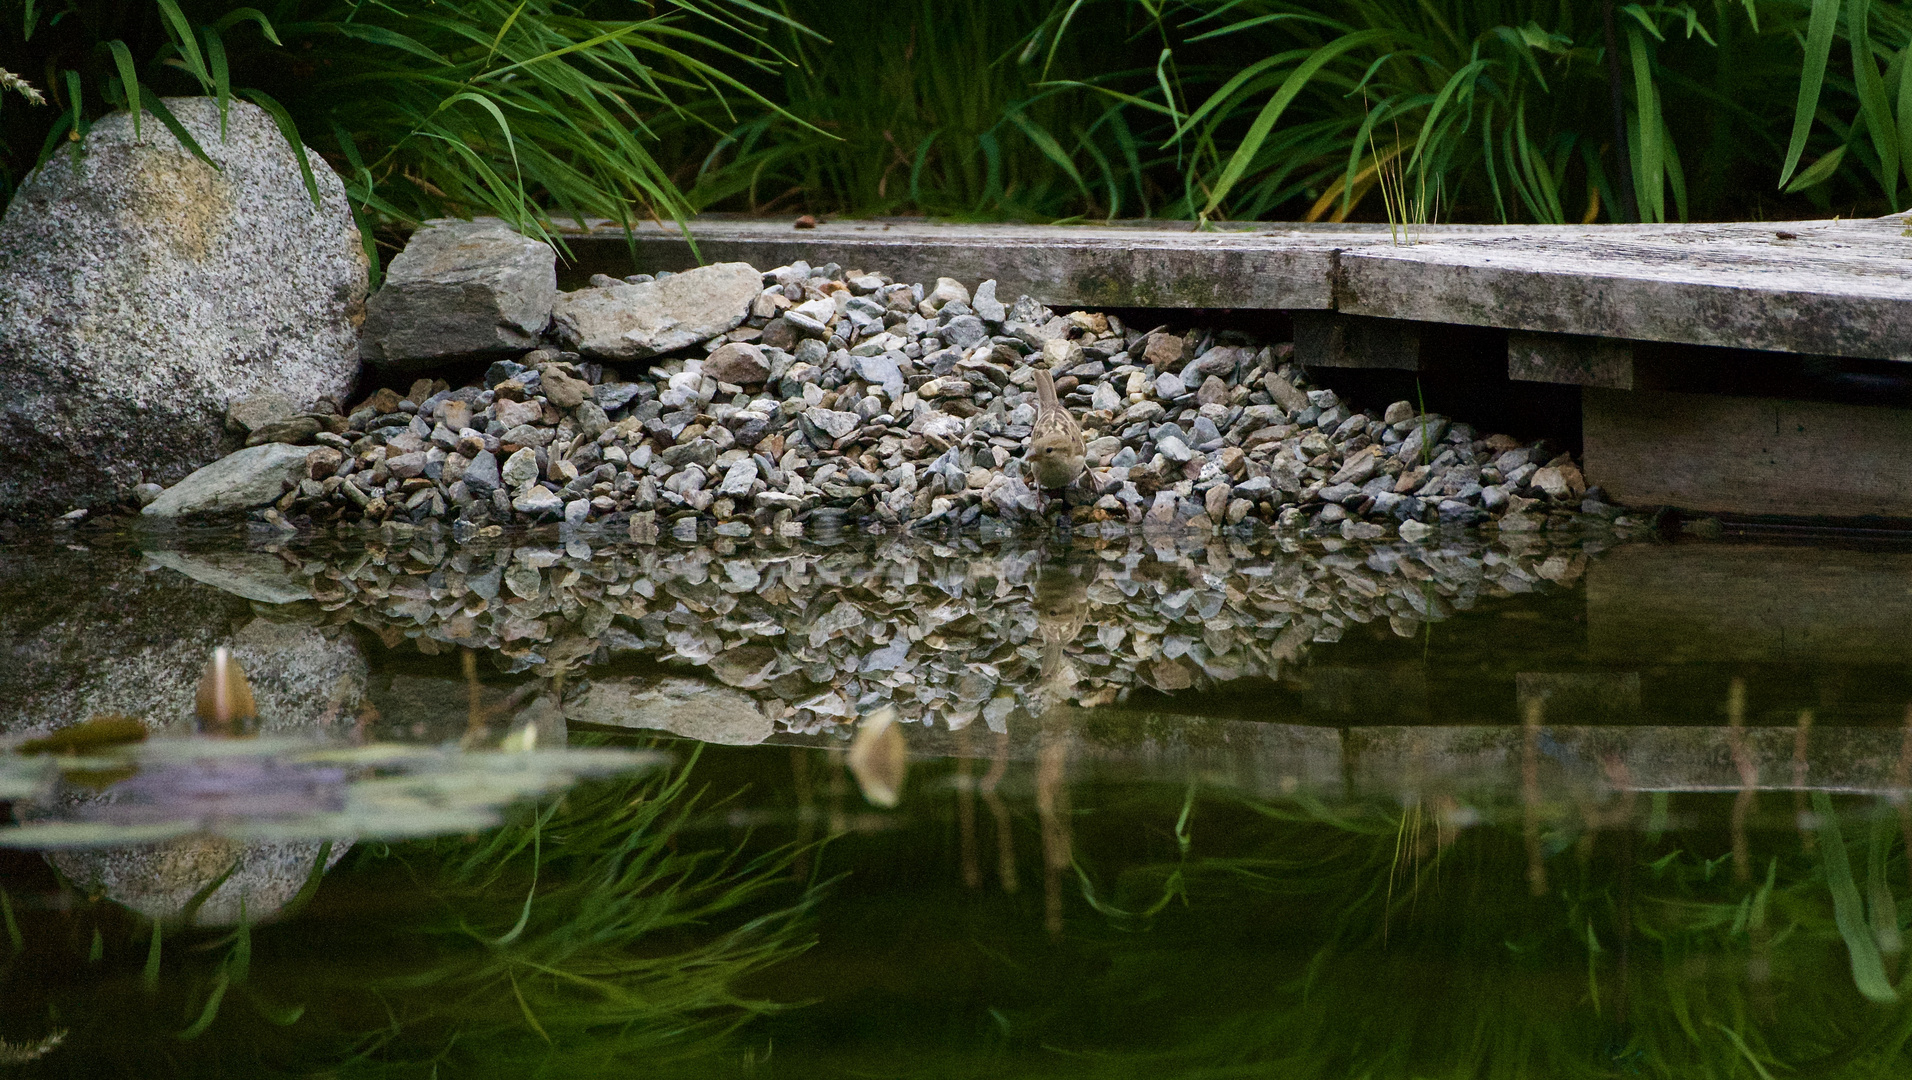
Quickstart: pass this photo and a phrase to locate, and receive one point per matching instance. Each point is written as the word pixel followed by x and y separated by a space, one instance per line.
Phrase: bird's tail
pixel 1046 390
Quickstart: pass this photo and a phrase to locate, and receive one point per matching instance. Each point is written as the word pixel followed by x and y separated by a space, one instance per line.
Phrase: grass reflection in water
pixel 1207 934
pixel 582 938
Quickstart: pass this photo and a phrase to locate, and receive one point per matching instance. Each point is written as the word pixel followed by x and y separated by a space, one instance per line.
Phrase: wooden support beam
pixel 1572 359
pixel 1748 456
pixel 1331 340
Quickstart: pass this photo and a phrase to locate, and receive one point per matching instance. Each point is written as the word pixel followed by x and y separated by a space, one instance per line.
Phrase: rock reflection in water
pixel 190 827
pixel 804 639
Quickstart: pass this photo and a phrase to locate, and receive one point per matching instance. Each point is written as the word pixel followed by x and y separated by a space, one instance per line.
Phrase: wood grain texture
pixel 1735 455
pixel 1654 605
pixel 1838 289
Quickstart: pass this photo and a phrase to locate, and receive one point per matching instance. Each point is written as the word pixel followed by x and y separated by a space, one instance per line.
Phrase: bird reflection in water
pixel 223 702
pixel 1062 609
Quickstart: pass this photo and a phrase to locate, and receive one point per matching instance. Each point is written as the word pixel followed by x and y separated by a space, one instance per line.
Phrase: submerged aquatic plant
pixel 584 935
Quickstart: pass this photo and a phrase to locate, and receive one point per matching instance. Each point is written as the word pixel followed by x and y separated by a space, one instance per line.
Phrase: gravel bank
pixel 847 400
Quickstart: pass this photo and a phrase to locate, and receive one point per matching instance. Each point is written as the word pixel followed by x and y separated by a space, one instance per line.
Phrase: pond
pixel 1542 804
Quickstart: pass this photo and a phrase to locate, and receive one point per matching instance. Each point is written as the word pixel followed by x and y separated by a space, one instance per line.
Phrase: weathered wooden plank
pixel 1125 266
pixel 1825 288
pixel 1750 456
pixel 1571 359
pixel 1727 603
pixel 1828 288
pixel 1484 762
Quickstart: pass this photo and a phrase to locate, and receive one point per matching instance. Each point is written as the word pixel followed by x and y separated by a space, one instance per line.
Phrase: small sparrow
pixel 1056 449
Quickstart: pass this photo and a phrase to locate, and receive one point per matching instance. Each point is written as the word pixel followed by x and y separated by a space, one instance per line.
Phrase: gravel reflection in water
pixel 806 638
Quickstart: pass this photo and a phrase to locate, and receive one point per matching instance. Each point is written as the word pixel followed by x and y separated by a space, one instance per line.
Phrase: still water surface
pixel 1545 805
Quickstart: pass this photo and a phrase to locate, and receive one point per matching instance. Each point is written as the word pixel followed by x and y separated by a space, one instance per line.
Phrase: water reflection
pixel 1312 811
pixel 581 937
pixel 1199 929
pixel 805 639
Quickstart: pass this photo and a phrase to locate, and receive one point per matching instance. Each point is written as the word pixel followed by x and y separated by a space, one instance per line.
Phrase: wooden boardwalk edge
pixel 1835 288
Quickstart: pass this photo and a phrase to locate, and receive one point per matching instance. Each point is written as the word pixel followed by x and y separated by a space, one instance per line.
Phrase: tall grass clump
pixel 533 110
pixel 1508 110
pixel 922 107
pixel 1210 110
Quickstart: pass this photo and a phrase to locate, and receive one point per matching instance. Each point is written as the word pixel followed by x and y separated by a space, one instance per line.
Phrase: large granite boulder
pixel 460 288
pixel 636 322
pixel 141 292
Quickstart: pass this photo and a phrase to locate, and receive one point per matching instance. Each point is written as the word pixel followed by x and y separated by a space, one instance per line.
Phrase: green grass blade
pixel 158 108
pixel 1872 98
pixel 239 961
pixel 1880 904
pixel 1271 112
pixel 244 14
pixel 1452 87
pixel 504 29
pixel 1868 969
pixel 129 78
pixel 149 976
pixel 1650 162
pixel 14 937
pixel 511 142
pixel 1812 78
pixel 183 38
pixel 221 74
pixel 1055 41
pixel 380 35
pixel 1819 171
pixel 1047 144
pixel 1904 121
pixel 291 132
pixel 211 1010
pixel 77 125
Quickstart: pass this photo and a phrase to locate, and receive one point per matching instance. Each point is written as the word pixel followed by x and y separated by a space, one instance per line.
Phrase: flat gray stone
pixel 239 481
pixel 738 479
pixel 635 322
pixel 460 288
pixel 538 500
pixel 883 370
pixel 481 475
pixel 693 708
pixel 831 422
pixel 142 292
pixel 254 575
